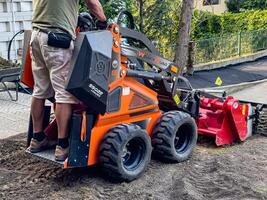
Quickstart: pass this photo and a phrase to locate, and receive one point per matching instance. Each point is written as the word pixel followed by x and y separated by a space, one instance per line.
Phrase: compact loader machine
pixel 133 101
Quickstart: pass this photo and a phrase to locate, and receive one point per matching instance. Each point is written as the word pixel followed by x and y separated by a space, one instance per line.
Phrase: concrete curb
pixel 231 61
pixel 229 89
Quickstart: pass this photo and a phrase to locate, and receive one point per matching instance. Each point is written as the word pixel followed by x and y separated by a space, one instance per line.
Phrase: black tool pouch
pixel 60 40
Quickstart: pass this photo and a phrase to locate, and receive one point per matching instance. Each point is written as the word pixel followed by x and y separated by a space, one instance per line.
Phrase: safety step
pixel 47 155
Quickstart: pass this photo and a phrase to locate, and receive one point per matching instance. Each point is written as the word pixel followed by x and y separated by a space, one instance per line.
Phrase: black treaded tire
pixel 261 124
pixel 125 152
pixel 174 137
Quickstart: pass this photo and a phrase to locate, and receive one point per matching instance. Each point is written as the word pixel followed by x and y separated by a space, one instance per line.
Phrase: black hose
pixel 10 43
pixel 130 17
pixel 187 83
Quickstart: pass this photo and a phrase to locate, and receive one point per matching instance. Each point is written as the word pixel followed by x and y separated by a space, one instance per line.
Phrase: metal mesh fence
pixel 223 47
pixel 214 49
pixel 252 42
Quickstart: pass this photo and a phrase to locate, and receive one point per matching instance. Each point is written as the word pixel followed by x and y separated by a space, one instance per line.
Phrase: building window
pixel 210 2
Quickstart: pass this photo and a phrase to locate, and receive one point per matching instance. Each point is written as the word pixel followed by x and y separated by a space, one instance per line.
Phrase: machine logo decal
pixel 100 67
pixel 95 90
pixel 115 64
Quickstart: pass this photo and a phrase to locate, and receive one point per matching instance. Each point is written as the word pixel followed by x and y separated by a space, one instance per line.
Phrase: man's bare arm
pixel 96 9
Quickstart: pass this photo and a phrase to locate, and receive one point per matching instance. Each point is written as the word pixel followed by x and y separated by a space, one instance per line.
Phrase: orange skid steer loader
pixel 134 101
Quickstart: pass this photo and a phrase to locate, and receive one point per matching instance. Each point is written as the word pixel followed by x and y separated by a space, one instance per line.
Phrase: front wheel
pixel 174 137
pixel 125 152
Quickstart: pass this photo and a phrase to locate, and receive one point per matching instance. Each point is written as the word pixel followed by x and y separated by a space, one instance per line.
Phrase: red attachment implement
pixel 227 120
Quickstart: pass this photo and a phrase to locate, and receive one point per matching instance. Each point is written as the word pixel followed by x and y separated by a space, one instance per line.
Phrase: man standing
pixel 54 23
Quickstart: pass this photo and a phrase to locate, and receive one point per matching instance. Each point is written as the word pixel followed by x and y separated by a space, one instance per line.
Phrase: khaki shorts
pixel 50 67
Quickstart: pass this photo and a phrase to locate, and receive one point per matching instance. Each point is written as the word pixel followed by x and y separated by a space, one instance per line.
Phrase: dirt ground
pixel 233 172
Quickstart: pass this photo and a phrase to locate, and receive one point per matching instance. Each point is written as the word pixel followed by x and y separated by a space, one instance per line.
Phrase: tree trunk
pixel 141 14
pixel 181 54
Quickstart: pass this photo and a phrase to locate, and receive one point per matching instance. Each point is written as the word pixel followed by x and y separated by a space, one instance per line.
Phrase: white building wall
pixel 15 15
pixel 216 9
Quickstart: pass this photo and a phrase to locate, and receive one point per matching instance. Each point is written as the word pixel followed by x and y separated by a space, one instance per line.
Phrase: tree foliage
pixel 160 17
pixel 112 7
pixel 161 20
pixel 242 5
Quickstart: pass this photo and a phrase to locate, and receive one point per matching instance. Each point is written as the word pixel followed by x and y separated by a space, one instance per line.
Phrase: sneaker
pixel 61 154
pixel 36 146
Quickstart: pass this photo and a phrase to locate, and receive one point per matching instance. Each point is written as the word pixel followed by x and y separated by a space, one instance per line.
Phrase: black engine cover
pixel 90 69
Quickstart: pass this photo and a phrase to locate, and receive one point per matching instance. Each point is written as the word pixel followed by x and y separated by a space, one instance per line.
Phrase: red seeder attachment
pixel 227 120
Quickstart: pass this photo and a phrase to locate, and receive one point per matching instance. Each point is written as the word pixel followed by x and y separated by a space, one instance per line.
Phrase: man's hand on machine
pixel 96 10
pixel 101 25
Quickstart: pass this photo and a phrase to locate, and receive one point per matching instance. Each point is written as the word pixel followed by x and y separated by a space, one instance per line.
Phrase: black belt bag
pixel 60 40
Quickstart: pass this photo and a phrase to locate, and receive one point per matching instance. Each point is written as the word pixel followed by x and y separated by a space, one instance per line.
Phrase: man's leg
pixel 37 113
pixel 63 114
pixel 42 90
pixel 59 61
pixel 39 140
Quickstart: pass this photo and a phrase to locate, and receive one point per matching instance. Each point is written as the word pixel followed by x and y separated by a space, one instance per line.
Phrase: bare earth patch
pixel 233 172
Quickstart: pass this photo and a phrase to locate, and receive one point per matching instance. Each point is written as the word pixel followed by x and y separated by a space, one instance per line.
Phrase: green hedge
pixel 206 24
pixel 241 5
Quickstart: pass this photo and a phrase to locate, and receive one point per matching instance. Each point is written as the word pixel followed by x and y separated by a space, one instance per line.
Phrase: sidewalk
pixel 257 93
pixel 14 116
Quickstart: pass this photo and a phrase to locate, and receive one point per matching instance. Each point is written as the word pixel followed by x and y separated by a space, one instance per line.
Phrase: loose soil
pixel 232 172
pixel 6 63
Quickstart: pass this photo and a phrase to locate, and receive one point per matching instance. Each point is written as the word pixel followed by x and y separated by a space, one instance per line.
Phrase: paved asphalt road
pixel 246 72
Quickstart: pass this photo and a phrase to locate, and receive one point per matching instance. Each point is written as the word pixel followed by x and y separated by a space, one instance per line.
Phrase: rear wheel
pixel 261 123
pixel 125 152
pixel 174 137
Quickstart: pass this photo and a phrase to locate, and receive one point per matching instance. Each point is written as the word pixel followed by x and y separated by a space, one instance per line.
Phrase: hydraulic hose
pixel 10 43
pixel 130 17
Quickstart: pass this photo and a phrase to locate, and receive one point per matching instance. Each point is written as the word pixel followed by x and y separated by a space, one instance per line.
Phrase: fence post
pixel 239 50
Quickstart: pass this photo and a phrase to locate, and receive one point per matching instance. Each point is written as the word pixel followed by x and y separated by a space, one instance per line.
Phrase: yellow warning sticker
pixel 219 81
pixel 244 109
pixel 174 69
pixel 177 99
